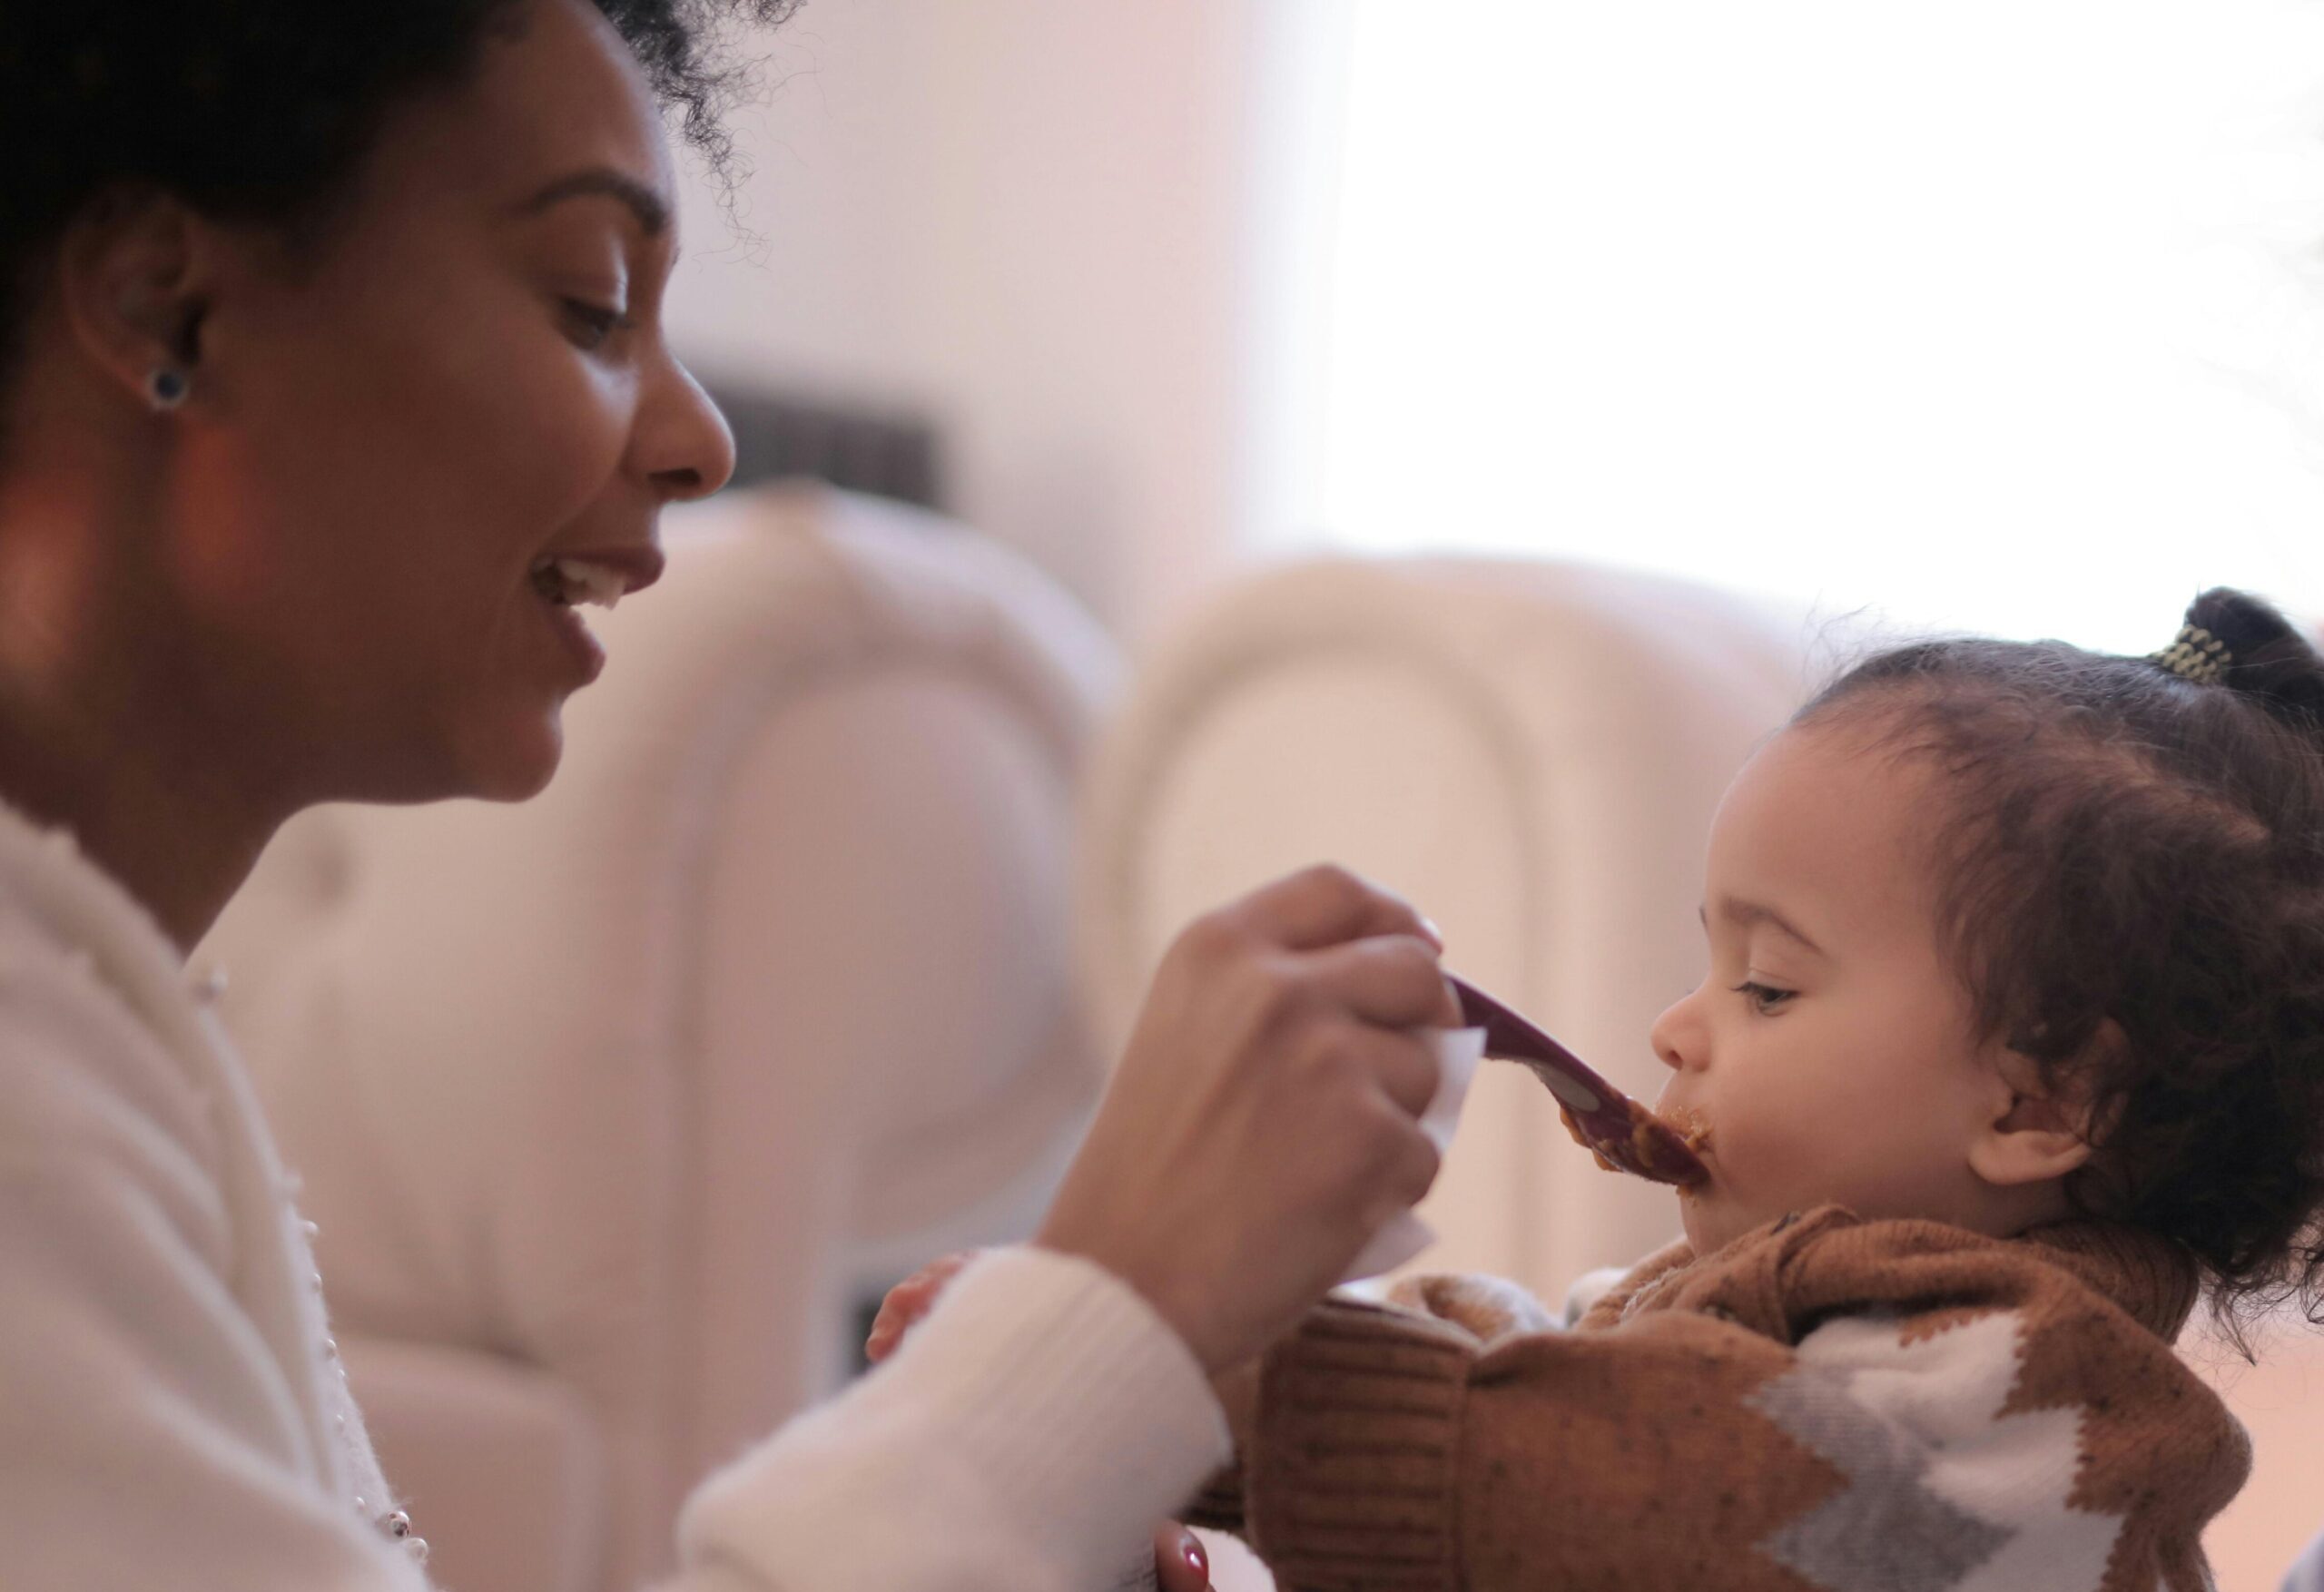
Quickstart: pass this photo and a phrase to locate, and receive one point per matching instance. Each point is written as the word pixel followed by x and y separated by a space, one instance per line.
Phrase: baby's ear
pixel 2040 1130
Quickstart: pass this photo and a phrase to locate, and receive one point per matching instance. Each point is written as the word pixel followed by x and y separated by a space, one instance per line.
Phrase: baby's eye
pixel 1764 998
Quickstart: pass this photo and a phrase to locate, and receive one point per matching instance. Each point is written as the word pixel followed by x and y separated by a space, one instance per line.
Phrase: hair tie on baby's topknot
pixel 2197 654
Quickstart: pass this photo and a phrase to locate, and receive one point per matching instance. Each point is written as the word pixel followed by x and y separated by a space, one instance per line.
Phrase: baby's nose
pixel 1672 1036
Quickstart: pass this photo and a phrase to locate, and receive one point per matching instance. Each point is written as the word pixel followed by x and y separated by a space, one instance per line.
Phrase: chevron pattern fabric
pixel 1826 1405
pixel 1943 1491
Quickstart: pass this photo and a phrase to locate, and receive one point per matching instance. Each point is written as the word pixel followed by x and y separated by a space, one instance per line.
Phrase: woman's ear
pixel 2040 1132
pixel 130 285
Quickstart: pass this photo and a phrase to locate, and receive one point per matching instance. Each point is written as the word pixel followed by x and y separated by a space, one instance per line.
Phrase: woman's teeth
pixel 569 581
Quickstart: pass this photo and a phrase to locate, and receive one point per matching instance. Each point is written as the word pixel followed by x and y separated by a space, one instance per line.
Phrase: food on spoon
pixel 1623 1135
pixel 1574 1128
pixel 1646 1140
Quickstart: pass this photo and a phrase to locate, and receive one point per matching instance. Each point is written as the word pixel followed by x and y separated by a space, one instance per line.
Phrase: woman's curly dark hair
pixel 2131 878
pixel 261 110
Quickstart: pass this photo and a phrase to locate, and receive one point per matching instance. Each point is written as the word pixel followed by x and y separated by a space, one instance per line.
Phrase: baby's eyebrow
pixel 1747 914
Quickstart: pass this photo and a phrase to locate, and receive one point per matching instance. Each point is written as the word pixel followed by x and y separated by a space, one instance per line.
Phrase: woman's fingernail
pixel 1196 1560
pixel 1428 927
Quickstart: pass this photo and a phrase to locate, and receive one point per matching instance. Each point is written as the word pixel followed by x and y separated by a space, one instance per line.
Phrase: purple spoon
pixel 1601 1116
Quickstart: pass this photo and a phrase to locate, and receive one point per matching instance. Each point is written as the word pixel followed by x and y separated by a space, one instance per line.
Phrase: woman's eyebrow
pixel 1745 914
pixel 644 201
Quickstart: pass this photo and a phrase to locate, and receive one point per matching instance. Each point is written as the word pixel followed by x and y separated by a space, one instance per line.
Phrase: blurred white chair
pixel 614 1106
pixel 1530 751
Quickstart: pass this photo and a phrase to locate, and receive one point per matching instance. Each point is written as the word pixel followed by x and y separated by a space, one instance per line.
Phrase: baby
pixel 2012 1045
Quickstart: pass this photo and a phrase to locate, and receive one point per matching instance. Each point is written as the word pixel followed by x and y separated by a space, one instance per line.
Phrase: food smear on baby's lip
pixel 1694 1132
pixel 1692 1127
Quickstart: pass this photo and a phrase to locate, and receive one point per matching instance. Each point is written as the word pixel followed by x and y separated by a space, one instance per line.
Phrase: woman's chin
pixel 512 761
pixel 522 778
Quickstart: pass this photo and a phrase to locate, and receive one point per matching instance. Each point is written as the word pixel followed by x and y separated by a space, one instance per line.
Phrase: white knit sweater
pixel 170 1416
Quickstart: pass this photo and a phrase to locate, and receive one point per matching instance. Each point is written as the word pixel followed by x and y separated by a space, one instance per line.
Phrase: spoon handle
pixel 1601 1116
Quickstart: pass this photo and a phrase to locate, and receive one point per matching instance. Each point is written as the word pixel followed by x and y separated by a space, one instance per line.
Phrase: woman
pixel 320 343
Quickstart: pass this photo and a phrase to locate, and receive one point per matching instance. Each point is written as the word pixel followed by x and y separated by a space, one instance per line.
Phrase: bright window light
pixel 1998 314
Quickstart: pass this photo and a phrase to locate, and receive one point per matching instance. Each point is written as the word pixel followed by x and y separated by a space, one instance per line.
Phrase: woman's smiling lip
pixel 639 564
pixel 574 632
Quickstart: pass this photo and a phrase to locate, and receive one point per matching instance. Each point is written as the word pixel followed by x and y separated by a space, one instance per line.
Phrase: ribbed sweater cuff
pixel 1353 1462
pixel 1053 1374
pixel 1043 1404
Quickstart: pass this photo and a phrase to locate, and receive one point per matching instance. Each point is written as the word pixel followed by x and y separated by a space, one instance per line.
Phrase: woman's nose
pixel 684 447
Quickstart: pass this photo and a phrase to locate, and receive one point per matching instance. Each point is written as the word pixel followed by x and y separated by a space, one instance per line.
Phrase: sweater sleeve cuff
pixel 1043 1401
pixel 1354 1452
pixel 1218 1502
pixel 1051 1372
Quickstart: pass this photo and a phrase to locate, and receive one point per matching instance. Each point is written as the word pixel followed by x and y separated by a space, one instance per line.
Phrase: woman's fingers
pixel 1284 1020
pixel 1393 984
pixel 1393 979
pixel 1401 1067
pixel 1180 1565
pixel 1326 905
pixel 1408 1166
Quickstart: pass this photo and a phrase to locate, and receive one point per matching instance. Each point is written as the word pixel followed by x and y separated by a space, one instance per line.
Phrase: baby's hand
pixel 909 1301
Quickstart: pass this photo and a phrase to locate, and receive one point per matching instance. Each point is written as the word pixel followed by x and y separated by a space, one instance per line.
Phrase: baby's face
pixel 1829 1048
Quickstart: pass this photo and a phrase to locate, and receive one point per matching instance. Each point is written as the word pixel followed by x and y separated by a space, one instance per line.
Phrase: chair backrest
pixel 1530 751
pixel 642 1082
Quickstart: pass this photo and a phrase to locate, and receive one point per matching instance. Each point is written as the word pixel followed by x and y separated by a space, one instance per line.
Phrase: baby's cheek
pixel 1768 1161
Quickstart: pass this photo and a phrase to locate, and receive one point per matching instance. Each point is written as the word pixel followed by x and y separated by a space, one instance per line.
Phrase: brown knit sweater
pixel 1826 1403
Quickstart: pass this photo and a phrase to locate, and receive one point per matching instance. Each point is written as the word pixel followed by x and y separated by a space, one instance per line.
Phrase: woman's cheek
pixel 549 429
pixel 579 429
pixel 528 425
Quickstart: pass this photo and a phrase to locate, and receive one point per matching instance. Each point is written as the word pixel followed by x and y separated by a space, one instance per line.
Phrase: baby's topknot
pixel 2269 661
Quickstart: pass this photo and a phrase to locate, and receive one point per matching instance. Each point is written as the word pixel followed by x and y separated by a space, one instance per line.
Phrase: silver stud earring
pixel 166 389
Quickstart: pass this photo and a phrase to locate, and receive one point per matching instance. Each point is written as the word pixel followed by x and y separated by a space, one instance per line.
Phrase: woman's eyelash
pixel 598 321
pixel 1765 998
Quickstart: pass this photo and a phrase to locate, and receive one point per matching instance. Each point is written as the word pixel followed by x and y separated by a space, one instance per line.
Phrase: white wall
pixel 2002 315
pixel 1022 218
